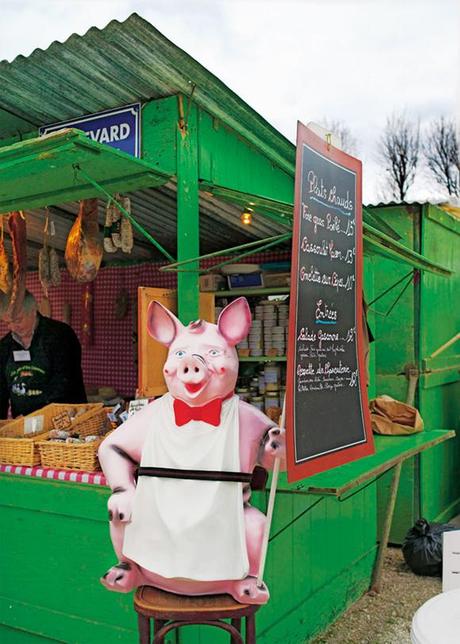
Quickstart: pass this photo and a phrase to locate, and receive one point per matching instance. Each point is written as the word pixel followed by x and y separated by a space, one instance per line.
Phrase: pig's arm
pixel 266 440
pixel 119 455
pixel 273 446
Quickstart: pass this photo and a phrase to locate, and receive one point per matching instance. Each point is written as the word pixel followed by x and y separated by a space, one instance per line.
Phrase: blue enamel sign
pixel 119 128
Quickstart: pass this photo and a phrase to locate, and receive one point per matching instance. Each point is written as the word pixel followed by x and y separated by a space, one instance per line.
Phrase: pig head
pixel 202 363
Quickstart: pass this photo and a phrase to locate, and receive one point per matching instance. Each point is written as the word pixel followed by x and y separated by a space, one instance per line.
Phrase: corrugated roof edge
pixel 242 118
pixel 382 204
pixel 451 208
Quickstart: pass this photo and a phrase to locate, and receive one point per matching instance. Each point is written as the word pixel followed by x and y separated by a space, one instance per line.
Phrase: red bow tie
pixel 210 413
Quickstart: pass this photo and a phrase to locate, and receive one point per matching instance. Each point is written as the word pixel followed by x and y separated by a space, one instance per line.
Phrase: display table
pixel 390 454
pixel 390 451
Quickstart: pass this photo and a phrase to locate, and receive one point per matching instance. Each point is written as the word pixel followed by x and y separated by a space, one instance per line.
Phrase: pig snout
pixel 193 372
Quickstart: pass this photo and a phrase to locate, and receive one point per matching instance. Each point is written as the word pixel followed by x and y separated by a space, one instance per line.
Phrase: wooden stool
pixel 170 611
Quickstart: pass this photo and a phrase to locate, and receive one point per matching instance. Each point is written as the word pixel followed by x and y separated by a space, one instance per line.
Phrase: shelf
pixel 275 290
pixel 262 358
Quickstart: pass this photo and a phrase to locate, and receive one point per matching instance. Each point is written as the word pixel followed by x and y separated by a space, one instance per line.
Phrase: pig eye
pixel 214 352
pixel 180 353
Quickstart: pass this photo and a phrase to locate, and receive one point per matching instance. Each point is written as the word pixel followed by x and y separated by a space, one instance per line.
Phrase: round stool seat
pixel 169 611
pixel 437 621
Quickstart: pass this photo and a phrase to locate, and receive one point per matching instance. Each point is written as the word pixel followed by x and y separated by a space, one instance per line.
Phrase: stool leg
pixel 144 629
pixel 250 629
pixel 158 625
pixel 236 623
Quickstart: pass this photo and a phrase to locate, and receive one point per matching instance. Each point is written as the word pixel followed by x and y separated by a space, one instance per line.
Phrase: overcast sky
pixel 353 60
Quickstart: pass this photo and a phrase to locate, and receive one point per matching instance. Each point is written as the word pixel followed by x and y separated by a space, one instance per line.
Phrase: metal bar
pixel 249 252
pixel 403 290
pixel 390 288
pixel 134 223
pixel 378 567
pixel 226 251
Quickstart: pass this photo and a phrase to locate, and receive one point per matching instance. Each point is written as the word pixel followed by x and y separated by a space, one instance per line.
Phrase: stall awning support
pixel 255 246
pixel 125 213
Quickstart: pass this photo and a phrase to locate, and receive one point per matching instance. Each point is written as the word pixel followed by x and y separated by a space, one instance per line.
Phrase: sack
pixel 422 547
pixel 392 417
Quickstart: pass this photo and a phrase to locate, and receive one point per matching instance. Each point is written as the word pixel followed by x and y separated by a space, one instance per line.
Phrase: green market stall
pixel 204 140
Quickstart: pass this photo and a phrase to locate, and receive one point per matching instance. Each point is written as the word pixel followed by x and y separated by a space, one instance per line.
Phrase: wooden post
pixel 378 567
pixel 188 211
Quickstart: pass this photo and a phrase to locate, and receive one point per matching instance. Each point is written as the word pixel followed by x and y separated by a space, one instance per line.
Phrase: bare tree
pixel 341 129
pixel 441 152
pixel 399 149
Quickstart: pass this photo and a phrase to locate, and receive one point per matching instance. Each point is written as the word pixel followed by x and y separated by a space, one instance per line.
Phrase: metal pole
pixel 137 226
pixel 249 252
pixel 232 249
pixel 271 505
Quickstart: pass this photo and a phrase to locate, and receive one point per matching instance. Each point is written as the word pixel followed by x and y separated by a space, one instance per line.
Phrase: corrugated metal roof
pixel 124 62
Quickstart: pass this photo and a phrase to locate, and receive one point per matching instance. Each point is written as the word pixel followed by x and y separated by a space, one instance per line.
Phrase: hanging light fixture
pixel 246 216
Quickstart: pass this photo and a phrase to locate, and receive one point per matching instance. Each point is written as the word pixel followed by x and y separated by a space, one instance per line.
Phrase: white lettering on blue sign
pixel 119 128
pixel 110 134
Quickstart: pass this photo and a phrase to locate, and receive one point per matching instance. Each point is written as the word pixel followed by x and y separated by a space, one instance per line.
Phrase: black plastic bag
pixel 422 547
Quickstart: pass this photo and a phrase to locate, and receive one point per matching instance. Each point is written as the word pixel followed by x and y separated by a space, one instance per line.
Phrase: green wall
pixel 423 318
pixel 55 545
pixel 439 389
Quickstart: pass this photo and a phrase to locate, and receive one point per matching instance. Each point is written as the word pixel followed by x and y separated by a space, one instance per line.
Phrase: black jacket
pixel 52 374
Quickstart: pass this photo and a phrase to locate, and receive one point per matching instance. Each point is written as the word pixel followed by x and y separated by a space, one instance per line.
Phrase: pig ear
pixel 162 325
pixel 235 321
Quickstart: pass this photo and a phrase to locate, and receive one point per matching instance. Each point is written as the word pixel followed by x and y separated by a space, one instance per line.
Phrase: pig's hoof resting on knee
pixel 247 591
pixel 120 578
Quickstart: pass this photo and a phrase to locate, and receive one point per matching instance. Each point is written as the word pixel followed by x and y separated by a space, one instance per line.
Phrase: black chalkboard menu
pixel 327 418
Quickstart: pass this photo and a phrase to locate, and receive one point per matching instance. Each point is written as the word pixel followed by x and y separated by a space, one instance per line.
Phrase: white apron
pixel 185 528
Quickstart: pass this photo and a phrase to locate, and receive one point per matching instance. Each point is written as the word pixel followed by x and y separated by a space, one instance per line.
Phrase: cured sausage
pixel 44 269
pixel 18 232
pixel 83 252
pixel 55 273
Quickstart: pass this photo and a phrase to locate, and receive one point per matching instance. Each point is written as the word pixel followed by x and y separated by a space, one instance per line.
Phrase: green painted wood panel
pixel 439 321
pixel 159 126
pixel 395 346
pixel 188 217
pixel 55 545
pixel 227 160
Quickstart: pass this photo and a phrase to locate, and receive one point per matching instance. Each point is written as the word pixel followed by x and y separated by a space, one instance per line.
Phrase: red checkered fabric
pixel 111 361
pixel 73 476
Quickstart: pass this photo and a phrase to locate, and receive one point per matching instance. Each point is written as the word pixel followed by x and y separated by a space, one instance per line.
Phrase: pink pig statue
pixel 187 526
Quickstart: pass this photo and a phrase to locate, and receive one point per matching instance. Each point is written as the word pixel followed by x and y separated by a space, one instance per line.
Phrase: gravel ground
pixel 385 618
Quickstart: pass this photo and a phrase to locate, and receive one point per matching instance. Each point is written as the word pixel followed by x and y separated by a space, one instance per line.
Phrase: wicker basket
pixel 70 456
pixel 18 448
pixel 76 456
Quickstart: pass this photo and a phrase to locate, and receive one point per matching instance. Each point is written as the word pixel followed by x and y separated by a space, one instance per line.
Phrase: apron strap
pixel 196 475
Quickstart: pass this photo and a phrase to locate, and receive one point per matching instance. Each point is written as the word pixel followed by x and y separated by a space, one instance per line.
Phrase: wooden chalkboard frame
pixel 315 464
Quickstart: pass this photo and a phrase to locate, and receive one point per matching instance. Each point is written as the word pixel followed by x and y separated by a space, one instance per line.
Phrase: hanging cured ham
pixel 83 253
pixel 5 276
pixel 18 232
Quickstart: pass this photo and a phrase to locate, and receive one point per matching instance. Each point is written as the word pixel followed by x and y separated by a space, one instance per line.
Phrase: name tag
pixel 21 356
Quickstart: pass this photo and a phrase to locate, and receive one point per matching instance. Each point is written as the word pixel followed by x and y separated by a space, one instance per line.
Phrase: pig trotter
pixel 121 578
pixel 247 591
